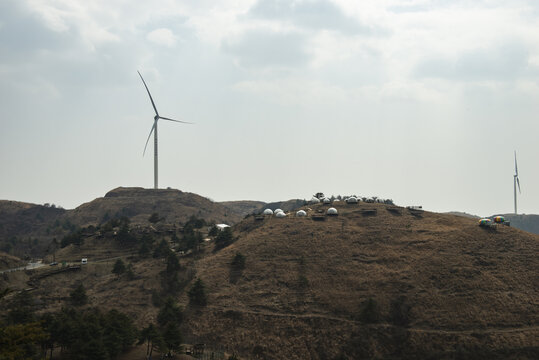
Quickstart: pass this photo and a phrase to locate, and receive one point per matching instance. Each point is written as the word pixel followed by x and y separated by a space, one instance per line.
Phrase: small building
pixel 221 227
pixel 84 261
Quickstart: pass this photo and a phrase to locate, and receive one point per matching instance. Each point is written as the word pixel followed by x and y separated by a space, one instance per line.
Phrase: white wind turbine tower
pixel 154 130
pixel 516 182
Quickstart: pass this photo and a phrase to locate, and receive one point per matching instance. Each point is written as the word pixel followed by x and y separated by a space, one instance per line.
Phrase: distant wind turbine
pixel 516 182
pixel 154 130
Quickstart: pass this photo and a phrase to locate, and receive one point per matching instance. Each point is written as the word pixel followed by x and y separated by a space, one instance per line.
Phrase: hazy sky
pixel 420 101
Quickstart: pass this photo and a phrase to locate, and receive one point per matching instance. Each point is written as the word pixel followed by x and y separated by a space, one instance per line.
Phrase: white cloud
pixel 163 37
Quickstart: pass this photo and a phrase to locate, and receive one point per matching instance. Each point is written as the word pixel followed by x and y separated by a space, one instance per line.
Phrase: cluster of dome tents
pixel 350 200
pixel 300 213
pixel 486 222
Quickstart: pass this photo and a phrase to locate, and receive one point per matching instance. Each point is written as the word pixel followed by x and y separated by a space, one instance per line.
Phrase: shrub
pixel 78 296
pixel 119 267
pixel 370 312
pixel 399 313
pixel 224 238
pixel 154 218
pixel 197 294
pixel 238 262
pixel 214 231
pixel 161 250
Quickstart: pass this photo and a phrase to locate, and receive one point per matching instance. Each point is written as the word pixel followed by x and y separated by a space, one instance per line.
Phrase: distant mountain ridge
pixel 138 204
pixel 26 230
pixel 529 223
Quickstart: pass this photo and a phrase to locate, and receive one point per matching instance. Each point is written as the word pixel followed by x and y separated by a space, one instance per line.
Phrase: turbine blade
pixel 518 183
pixel 151 131
pixel 516 168
pixel 183 122
pixel 151 99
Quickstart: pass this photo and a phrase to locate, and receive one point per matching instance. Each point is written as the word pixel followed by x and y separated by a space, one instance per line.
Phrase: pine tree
pixel 197 294
pixel 119 267
pixel 78 296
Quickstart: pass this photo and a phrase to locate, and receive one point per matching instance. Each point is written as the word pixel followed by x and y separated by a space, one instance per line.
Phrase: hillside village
pixel 326 278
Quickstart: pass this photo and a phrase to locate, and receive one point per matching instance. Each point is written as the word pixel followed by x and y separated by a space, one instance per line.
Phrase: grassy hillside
pixel 440 286
pixel 377 281
pixel 243 207
pixel 27 230
pixel 138 204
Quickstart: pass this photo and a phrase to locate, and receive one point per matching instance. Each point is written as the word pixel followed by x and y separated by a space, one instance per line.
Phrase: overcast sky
pixel 420 101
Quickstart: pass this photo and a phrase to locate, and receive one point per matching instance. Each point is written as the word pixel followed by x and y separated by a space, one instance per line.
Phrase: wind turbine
pixel 154 130
pixel 516 182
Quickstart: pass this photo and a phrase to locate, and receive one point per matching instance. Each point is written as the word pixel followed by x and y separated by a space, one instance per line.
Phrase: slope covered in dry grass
pixel 379 284
pixel 440 285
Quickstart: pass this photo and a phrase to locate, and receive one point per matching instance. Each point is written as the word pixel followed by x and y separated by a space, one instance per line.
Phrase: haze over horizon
pixel 420 101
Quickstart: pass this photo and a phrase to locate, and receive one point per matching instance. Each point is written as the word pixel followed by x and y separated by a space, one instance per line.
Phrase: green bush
pixel 197 294
pixel 238 262
pixel 370 312
pixel 78 296
pixel 119 267
pixel 224 238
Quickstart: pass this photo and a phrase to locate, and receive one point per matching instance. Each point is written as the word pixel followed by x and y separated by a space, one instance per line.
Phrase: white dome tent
pixel 277 211
pixel 314 200
pixel 301 213
pixel 332 212
pixel 327 200
pixel 280 214
pixel 351 200
pixel 268 212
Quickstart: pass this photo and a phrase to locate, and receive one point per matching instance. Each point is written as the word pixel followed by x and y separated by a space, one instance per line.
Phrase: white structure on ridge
pixel 268 212
pixel 351 200
pixel 301 213
pixel 314 200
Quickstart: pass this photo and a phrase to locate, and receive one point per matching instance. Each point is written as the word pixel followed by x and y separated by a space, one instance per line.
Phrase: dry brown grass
pixel 471 291
pixel 460 280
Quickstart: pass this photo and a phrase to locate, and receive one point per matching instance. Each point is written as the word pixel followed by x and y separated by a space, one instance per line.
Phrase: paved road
pixel 29 266
pixel 37 265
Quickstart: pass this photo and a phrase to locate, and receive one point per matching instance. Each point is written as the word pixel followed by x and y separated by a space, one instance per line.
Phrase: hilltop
pixel 441 285
pixel 27 230
pixel 138 204
pixel 243 207
pixel 376 281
